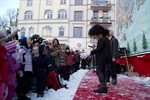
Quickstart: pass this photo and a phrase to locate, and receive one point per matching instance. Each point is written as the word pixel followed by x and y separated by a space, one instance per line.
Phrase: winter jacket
pixel 114 45
pixel 3 65
pixel 24 56
pixel 102 52
pixel 12 67
pixel 12 64
pixel 69 59
pixel 55 52
pixel 42 61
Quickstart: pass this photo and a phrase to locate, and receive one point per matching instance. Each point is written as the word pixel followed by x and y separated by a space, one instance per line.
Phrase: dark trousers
pixel 111 71
pixel 40 80
pixel 24 83
pixel 76 65
pixel 67 72
pixel 100 71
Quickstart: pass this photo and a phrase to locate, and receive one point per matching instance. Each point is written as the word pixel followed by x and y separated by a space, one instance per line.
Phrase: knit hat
pixel 11 46
pixel 24 41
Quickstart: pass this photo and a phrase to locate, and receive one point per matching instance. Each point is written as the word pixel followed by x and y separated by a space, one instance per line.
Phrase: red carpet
pixel 126 89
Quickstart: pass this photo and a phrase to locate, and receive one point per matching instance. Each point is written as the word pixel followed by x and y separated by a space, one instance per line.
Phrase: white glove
pixel 85 54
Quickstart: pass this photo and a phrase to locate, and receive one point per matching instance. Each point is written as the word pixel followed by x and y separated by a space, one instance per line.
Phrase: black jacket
pixel 102 52
pixel 114 46
pixel 42 61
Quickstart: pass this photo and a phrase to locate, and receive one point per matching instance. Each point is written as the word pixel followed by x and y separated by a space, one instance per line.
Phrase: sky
pixel 8 4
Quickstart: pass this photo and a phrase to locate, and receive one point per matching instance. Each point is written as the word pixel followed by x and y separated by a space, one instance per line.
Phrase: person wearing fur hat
pixel 24 57
pixel 3 60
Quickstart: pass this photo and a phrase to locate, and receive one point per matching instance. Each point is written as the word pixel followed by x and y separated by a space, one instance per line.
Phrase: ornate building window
pixel 61 31
pixel 29 2
pixel 62 2
pixel 48 2
pixel 48 14
pixel 31 31
pixel 78 2
pixel 77 32
pixel 46 31
pixel 28 15
pixel 62 14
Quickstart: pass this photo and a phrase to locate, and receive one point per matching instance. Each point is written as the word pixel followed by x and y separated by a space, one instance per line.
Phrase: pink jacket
pixel 12 64
pixel 3 65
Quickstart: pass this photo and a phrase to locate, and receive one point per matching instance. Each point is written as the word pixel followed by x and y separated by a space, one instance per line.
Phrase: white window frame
pixel 29 2
pixel 62 2
pixel 47 30
pixel 48 14
pixel 62 14
pixel 48 2
pixel 78 15
pixel 28 15
pixel 78 2
pixel 77 33
pixel 31 31
pixel 61 29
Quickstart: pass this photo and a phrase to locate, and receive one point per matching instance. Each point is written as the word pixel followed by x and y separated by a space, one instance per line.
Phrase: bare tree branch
pixel 12 16
pixel 3 22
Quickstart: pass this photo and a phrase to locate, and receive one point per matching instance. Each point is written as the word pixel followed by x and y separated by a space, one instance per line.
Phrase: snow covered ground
pixel 72 84
pixel 142 80
pixel 63 94
pixel 145 81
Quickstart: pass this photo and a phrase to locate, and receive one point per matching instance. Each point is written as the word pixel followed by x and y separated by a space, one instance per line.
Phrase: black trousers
pixel 67 72
pixel 24 84
pixel 111 70
pixel 100 71
pixel 40 80
pixel 76 65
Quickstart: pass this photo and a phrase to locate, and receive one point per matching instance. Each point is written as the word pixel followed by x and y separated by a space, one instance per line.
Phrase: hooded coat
pixel 24 55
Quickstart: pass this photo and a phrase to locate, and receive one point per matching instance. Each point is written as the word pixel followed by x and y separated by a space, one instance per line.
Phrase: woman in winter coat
pixel 41 64
pixel 55 52
pixel 3 60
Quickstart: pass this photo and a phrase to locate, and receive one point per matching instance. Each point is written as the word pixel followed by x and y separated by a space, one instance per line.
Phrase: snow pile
pixel 142 80
pixel 63 94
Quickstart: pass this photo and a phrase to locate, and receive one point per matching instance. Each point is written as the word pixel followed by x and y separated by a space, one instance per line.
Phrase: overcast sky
pixel 7 4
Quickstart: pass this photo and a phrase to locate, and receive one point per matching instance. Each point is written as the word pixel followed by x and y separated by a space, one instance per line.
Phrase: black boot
pixel 101 90
pixel 114 81
pixel 41 94
pixel 22 97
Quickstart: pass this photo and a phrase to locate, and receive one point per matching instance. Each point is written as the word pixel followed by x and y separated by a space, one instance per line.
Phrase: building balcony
pixel 101 5
pixel 104 21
